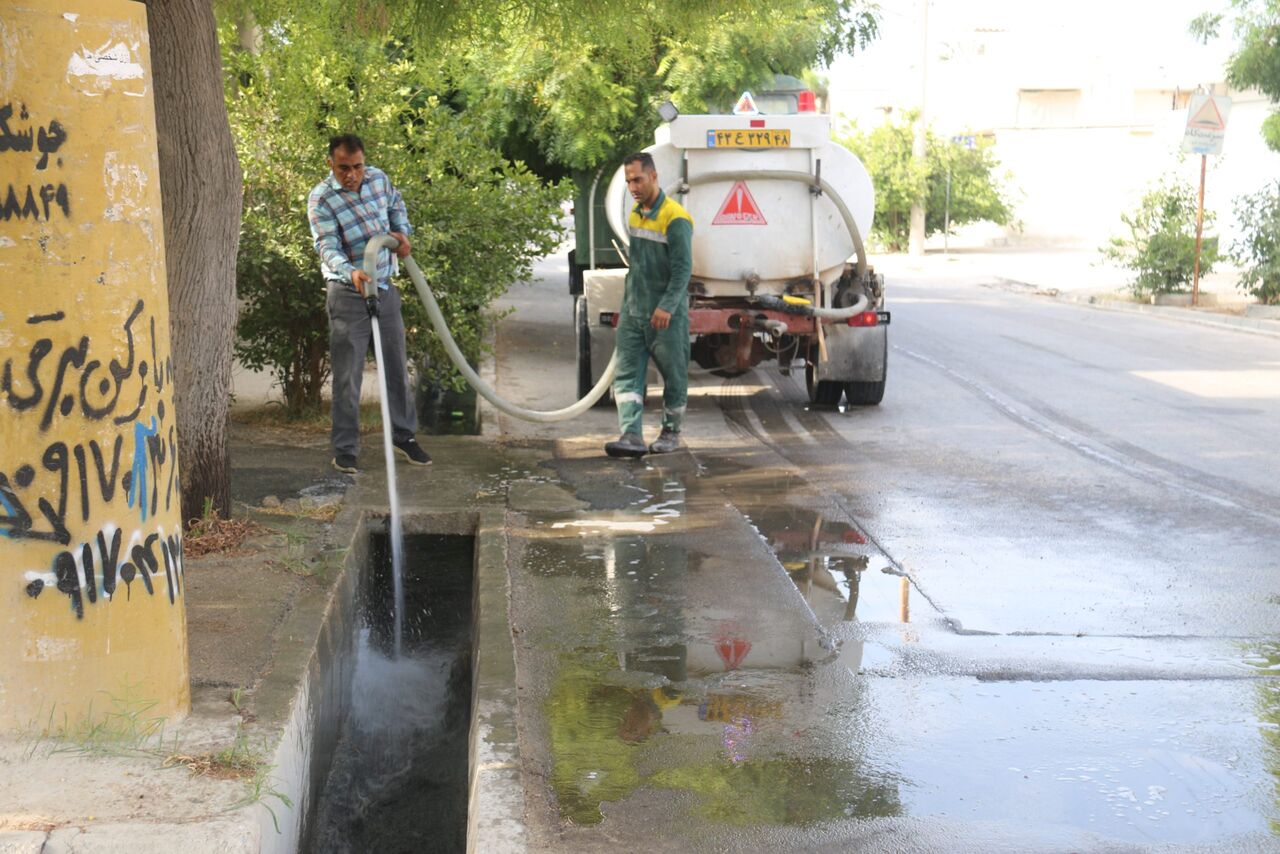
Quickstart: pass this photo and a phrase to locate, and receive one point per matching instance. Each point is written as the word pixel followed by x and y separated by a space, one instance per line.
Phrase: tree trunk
pixel 200 185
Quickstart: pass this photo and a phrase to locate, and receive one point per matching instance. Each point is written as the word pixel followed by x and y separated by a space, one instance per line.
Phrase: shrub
pixel 1257 251
pixel 480 220
pixel 1160 247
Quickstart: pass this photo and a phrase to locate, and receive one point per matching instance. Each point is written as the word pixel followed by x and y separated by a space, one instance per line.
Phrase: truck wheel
pixel 822 392
pixel 582 333
pixel 864 394
pixel 575 274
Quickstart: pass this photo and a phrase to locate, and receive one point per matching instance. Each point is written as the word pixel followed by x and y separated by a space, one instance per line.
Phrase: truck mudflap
pixel 855 353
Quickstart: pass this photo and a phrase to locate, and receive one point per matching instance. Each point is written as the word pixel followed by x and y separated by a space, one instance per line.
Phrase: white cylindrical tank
pixel 750 181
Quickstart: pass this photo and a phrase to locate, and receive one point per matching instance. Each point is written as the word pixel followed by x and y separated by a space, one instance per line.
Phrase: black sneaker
pixel 346 463
pixel 628 445
pixel 668 440
pixel 410 450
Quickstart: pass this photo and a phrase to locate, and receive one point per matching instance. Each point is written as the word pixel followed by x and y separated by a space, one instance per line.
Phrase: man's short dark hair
pixel 644 158
pixel 347 141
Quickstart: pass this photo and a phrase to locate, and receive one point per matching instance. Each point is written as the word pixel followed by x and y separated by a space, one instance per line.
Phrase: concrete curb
pixel 1251 325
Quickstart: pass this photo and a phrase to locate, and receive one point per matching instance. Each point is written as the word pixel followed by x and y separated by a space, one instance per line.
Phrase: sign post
pixel 1206 128
pixel 969 142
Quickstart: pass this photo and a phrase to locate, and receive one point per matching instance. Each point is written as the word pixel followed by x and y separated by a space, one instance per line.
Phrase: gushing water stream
pixel 396 534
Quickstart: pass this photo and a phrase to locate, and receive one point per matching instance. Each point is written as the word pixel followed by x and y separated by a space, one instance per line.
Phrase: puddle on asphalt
pixel 1136 762
pixel 494 484
pixel 661 668
pixel 655 682
pixel 831 564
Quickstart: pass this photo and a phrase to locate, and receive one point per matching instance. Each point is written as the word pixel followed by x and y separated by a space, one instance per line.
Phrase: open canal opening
pixel 399 776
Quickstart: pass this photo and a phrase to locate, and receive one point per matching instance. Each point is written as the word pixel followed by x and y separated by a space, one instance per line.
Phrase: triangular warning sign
pixel 739 208
pixel 1208 117
pixel 746 105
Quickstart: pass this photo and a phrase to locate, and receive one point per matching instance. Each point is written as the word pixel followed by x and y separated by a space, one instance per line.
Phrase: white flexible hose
pixel 385 241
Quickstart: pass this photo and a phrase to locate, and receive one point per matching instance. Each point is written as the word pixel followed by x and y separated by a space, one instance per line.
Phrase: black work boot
pixel 668 440
pixel 628 445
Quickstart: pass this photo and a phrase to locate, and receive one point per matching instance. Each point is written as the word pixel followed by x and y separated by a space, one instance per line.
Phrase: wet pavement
pixel 1027 604
pixel 732 649
pixel 759 673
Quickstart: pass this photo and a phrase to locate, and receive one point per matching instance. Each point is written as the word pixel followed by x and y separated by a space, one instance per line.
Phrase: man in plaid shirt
pixel 353 204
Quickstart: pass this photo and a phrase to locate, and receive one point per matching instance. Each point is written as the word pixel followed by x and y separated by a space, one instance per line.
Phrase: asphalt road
pixel 1048 562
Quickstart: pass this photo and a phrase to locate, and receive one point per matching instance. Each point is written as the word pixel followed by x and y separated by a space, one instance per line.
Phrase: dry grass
pixel 321 513
pixel 220 766
pixel 212 535
pixel 275 418
pixel 239 761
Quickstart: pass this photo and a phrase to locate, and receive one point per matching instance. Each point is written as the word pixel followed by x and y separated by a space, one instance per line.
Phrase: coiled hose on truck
pixel 843 313
pixel 386 241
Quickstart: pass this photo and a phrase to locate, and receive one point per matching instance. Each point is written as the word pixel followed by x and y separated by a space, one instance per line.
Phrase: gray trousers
pixel 350 334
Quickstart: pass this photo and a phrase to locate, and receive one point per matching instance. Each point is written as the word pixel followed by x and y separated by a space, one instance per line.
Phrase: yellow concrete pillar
pixel 92 619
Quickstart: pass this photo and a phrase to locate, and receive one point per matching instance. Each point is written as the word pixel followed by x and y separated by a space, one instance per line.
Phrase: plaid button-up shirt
pixel 342 221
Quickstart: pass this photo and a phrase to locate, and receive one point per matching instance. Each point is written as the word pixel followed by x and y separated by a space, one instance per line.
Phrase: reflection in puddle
pixel 661 683
pixel 735 750
pixel 828 562
pixel 678 660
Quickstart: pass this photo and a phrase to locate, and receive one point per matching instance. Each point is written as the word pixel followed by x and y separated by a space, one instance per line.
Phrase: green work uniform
pixel 661 260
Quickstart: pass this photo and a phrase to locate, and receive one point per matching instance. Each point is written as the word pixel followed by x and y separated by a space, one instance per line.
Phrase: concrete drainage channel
pixel 417 753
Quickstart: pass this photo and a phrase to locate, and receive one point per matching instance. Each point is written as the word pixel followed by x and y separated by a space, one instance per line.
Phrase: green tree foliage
pixel 1256 61
pixel 1161 242
pixel 977 194
pixel 480 219
pixel 589 96
pixel 1257 250
pixel 453 99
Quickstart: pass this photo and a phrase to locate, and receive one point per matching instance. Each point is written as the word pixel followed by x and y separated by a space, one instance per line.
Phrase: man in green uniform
pixel 654 321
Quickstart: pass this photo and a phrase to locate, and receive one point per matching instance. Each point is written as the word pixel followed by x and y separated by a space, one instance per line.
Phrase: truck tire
pixel 582 336
pixel 582 333
pixel 822 392
pixel 869 393
pixel 864 394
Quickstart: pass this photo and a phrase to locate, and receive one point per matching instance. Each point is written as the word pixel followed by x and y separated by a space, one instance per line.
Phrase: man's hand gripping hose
pixel 386 241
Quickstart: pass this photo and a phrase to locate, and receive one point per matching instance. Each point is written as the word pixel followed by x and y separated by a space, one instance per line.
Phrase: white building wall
pixel 1081 106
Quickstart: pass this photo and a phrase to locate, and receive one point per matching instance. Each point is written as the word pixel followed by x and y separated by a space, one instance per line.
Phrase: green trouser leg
pixel 637 341
pixel 670 351
pixel 629 376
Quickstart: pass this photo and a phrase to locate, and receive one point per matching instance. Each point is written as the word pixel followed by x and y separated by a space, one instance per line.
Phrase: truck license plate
pixel 749 138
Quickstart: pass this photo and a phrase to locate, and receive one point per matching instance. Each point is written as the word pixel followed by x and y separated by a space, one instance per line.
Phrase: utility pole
pixel 915 240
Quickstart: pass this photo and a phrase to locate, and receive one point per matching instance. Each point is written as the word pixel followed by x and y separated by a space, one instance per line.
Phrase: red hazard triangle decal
pixel 1208 117
pixel 732 651
pixel 739 208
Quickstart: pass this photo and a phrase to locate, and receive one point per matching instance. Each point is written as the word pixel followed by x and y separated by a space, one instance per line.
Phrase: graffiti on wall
pixel 38 199
pixel 67 484
pixel 106 446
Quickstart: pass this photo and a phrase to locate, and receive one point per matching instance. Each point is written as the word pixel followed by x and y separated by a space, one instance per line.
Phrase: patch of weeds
pixel 125 729
pixel 260 789
pixel 295 565
pixel 240 761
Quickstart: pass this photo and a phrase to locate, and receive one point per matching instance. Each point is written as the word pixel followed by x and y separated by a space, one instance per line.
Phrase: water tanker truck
pixel 780 270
